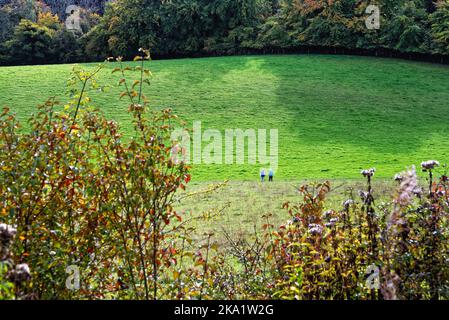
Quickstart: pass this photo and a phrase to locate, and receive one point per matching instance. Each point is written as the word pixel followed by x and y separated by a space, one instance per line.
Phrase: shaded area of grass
pixel 335 114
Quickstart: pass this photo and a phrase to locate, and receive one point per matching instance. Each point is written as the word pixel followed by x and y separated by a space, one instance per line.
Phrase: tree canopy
pixel 221 27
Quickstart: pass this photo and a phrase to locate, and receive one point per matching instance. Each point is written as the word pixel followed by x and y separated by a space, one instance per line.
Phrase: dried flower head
pixel 398 177
pixel 429 165
pixel 347 204
pixel 20 274
pixel 418 191
pixel 332 222
pixel 328 214
pixel 364 195
pixel 7 232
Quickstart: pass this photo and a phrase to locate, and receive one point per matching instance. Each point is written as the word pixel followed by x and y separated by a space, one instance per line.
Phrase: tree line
pixel 175 28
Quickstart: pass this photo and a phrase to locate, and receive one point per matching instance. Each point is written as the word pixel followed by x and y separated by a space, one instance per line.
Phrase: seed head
pixel 364 195
pixel 347 204
pixel 315 229
pixel 328 214
pixel 332 222
pixel 409 187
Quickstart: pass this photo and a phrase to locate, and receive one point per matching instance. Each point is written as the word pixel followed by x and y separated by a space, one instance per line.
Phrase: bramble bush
pixel 396 250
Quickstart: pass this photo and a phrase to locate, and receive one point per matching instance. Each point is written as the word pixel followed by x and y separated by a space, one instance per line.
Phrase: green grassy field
pixel 335 114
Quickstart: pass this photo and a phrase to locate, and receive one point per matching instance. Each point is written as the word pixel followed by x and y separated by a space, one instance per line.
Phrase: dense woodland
pixel 33 31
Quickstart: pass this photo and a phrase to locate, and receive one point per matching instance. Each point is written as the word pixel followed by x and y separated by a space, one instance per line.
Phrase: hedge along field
pixel 335 114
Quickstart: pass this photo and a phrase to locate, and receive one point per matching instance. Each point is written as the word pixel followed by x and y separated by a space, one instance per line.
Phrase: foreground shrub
pixel 396 250
pixel 86 200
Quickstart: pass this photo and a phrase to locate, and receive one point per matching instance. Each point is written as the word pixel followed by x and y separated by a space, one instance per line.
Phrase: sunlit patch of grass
pixel 335 114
